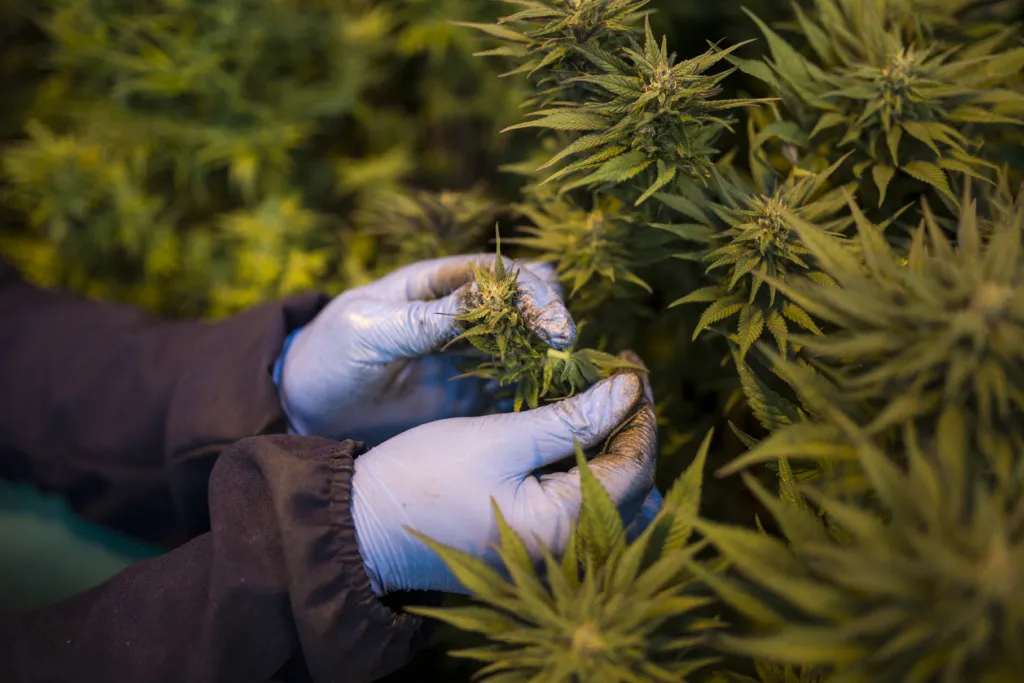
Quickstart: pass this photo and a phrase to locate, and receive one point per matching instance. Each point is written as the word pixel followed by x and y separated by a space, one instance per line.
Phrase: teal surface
pixel 47 553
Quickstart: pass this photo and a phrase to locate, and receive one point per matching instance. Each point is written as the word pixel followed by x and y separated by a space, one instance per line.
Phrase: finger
pixel 418 328
pixel 625 469
pixel 543 436
pixel 431 279
pixel 544 312
pixel 631 356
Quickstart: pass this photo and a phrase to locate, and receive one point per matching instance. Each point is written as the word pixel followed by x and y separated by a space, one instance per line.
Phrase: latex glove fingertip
pixel 544 312
pixel 631 356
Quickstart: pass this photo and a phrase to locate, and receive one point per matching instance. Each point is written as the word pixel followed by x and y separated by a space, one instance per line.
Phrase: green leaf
pixel 931 174
pixel 827 120
pixel 695 232
pixel 798 441
pixel 788 61
pixel 770 409
pixel 798 522
pixel 736 595
pixel 920 131
pixel 683 205
pixel 882 175
pixel 517 560
pixel 682 502
pixel 702 295
pixel 601 532
pixel 750 327
pixel 569 119
pixel 472 619
pixel 805 646
pixel 482 581
pixel 665 176
pixel 495 31
pixel 720 310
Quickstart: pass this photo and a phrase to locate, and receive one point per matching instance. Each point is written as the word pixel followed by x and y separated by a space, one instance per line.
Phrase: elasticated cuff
pixel 354 625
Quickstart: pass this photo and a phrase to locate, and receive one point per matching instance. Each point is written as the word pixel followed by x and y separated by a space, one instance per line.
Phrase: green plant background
pixel 196 158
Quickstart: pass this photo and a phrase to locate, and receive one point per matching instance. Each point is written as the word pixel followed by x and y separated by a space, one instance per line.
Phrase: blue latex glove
pixel 368 368
pixel 440 478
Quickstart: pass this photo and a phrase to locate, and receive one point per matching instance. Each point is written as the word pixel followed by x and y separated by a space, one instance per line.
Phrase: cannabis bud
pixel 750 239
pixel 492 323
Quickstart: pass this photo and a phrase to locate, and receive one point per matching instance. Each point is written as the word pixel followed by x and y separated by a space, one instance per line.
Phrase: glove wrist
pixel 375 549
pixel 295 425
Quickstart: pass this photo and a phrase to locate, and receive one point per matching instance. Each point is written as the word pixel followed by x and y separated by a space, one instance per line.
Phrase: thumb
pixel 543 436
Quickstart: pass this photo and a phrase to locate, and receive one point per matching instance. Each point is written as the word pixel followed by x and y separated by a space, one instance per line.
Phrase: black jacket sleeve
pixel 278 575
pixel 143 425
pixel 123 413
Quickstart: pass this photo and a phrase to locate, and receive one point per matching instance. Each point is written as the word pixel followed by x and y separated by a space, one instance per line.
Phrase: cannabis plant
pixel 898 106
pixel 546 38
pixel 857 254
pixel 935 335
pixel 653 118
pixel 750 241
pixel 492 323
pixel 606 610
pixel 930 592
pixel 602 246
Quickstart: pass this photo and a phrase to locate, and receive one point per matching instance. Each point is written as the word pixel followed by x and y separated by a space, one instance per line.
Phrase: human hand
pixel 368 366
pixel 439 479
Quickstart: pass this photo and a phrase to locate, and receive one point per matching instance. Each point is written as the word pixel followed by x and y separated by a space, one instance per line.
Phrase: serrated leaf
pixel 683 205
pixel 806 646
pixel 882 175
pixel 568 120
pixel 770 409
pixel 734 594
pixel 931 174
pixel 718 311
pixel 751 326
pixel 478 578
pixel 682 502
pixel 702 295
pixel 797 441
pixel 798 523
pixel 495 31
pixel 601 531
pixel 472 619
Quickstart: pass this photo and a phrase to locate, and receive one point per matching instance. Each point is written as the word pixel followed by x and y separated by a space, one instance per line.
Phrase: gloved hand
pixel 439 479
pixel 367 366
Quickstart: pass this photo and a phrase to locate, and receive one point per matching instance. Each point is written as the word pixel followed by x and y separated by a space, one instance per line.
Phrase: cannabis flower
pixel 545 36
pixel 901 106
pixel 939 333
pixel 606 242
pixel 654 120
pixel 515 355
pixel 752 243
pixel 930 591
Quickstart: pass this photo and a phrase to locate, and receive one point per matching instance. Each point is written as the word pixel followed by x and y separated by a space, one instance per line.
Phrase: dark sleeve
pixel 276 582
pixel 123 413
